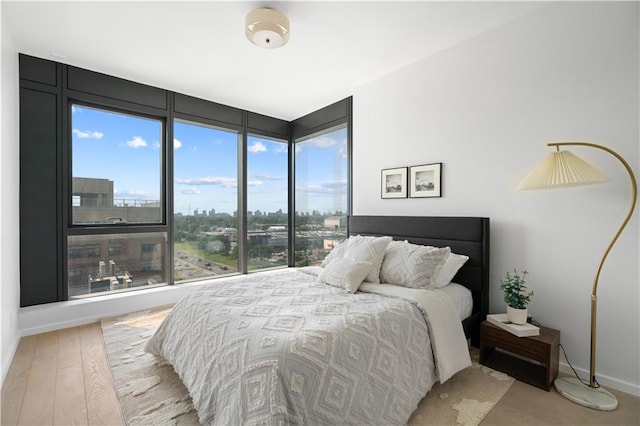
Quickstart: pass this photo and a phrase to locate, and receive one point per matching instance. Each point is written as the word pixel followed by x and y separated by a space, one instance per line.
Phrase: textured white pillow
pixel 345 273
pixel 336 253
pixel 368 249
pixel 412 265
pixel 450 269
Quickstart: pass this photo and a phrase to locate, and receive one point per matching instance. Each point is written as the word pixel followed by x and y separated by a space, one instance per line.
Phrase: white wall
pixel 9 271
pixel 485 109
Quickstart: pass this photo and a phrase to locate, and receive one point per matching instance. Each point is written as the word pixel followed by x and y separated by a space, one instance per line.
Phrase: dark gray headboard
pixel 465 235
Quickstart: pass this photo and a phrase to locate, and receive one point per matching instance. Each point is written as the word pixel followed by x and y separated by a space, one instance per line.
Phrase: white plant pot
pixel 517 316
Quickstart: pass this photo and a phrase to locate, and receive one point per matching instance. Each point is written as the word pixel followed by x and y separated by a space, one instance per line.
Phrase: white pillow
pixel 451 266
pixel 345 273
pixel 368 249
pixel 412 265
pixel 336 253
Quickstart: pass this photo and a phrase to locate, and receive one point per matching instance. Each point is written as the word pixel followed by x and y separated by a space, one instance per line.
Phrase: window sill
pixel 85 310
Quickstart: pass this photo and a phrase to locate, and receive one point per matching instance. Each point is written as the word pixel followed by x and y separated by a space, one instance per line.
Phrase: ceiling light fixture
pixel 267 28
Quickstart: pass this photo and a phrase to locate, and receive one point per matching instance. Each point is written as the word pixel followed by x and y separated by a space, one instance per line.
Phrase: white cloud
pixel 88 134
pixel 281 148
pixel 321 142
pixel 343 150
pixel 338 185
pixel 190 191
pixel 257 147
pixel 176 143
pixel 325 188
pixel 136 142
pixel 254 183
pixel 227 182
pixel 268 177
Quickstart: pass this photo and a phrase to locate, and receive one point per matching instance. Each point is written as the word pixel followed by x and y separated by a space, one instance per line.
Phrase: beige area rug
pixel 151 393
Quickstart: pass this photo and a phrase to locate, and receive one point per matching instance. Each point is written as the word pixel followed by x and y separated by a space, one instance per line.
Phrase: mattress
pixel 460 295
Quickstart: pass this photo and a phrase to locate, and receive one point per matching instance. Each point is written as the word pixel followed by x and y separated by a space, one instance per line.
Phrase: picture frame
pixel 394 183
pixel 425 180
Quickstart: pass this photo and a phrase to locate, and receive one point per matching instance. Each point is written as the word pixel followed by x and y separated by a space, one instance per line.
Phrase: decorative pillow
pixel 412 265
pixel 336 253
pixel 450 268
pixel 368 249
pixel 345 273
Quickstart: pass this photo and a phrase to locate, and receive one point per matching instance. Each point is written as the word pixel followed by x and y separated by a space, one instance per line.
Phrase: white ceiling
pixel 199 48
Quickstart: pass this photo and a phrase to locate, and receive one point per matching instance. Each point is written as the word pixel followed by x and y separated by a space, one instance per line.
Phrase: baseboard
pixel 7 358
pixel 606 381
pixel 56 316
pixel 72 313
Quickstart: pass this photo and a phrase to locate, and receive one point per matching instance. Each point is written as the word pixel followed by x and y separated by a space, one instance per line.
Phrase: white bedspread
pixel 445 329
pixel 282 348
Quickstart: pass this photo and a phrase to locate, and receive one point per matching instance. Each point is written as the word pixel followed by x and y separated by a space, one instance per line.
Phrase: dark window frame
pixel 68 147
pixel 78 100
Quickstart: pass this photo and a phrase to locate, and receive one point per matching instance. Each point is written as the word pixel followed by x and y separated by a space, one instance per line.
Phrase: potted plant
pixel 516 296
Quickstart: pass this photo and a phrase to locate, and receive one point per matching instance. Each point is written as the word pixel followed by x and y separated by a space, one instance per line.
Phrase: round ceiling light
pixel 267 28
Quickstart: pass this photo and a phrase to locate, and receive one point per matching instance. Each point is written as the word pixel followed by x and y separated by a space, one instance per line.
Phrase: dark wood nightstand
pixel 533 359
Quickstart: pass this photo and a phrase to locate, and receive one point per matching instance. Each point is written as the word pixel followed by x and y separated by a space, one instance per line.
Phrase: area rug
pixel 151 393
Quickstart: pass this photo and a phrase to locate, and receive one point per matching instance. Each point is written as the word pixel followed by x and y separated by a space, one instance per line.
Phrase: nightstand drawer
pixel 524 346
pixel 533 359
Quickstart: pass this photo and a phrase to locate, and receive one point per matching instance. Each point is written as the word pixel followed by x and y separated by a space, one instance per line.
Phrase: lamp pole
pixel 594 296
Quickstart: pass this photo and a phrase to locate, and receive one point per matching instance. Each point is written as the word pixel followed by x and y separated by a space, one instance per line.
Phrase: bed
pixel 286 348
pixel 465 235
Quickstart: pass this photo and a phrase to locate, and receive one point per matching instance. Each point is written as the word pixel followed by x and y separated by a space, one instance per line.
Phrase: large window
pixel 321 194
pixel 205 170
pixel 267 203
pixel 116 167
pixel 125 185
pixel 116 183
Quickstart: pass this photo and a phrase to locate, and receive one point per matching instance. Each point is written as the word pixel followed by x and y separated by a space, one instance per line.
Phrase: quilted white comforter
pixel 282 348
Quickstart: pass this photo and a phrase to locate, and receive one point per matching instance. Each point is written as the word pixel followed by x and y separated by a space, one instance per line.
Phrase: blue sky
pixel 126 149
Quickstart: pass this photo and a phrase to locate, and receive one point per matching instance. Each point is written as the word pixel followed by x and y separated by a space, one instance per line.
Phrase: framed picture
pixel 425 180
pixel 394 183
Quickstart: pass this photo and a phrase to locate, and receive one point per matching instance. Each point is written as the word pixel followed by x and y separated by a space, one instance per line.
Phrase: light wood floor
pixel 63 378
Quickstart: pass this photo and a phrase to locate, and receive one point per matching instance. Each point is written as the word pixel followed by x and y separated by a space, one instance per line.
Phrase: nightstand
pixel 533 359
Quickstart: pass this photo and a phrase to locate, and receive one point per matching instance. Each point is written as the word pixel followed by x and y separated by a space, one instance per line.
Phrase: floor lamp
pixel 563 169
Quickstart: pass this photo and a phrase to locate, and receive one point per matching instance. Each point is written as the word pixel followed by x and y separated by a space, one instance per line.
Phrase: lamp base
pixel 597 398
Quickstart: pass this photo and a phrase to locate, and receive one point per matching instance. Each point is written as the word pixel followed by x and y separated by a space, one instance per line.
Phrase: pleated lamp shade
pixel 562 169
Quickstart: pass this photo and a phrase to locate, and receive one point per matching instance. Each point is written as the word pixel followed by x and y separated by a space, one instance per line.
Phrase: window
pixel 142 266
pixel 267 203
pixel 148 248
pixel 205 193
pixel 105 202
pixel 94 251
pixel 115 249
pixel 116 167
pixel 75 252
pixel 321 191
pixel 116 182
